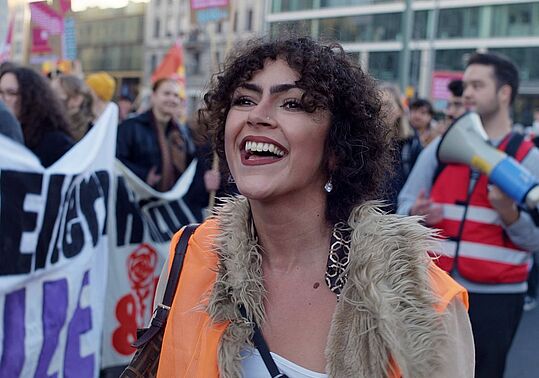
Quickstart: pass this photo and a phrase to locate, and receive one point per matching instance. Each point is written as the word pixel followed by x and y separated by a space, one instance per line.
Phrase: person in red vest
pixel 335 286
pixel 487 237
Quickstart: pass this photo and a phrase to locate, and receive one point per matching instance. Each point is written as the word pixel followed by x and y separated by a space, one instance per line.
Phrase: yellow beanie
pixel 102 84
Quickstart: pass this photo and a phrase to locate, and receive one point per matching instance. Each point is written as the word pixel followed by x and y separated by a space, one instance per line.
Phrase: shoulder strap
pixel 161 314
pixel 263 348
pixel 515 140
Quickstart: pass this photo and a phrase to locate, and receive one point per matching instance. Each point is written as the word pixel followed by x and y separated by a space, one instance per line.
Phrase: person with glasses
pixel 32 101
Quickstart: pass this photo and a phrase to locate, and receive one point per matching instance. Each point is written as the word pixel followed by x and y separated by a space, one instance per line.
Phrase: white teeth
pixel 259 147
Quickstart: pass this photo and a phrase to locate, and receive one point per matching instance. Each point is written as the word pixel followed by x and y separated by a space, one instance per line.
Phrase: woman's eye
pixel 292 104
pixel 242 101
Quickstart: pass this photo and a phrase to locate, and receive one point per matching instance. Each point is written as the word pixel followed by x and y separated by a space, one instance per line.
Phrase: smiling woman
pixel 299 128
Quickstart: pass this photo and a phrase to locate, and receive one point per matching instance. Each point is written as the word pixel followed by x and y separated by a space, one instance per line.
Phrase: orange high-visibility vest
pixel 191 339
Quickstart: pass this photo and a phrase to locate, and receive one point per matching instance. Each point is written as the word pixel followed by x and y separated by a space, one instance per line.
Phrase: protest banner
pixel 145 221
pixel 53 243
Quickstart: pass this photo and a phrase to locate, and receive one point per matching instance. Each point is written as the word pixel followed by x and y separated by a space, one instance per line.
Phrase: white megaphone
pixel 465 142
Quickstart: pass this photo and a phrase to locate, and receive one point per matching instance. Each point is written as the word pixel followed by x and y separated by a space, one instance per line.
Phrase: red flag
pixel 172 67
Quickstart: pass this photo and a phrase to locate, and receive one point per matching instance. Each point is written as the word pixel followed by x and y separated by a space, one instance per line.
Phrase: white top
pixel 459 355
pixel 253 366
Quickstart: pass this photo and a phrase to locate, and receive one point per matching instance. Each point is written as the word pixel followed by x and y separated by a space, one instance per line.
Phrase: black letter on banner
pixel 54 317
pixel 14 221
pixel 180 215
pixel 81 322
pixel 127 211
pixel 104 180
pixel 89 193
pixel 158 234
pixel 73 235
pixel 14 331
pixel 52 208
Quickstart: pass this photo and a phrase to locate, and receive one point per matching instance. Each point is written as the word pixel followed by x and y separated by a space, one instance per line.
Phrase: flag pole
pixel 229 40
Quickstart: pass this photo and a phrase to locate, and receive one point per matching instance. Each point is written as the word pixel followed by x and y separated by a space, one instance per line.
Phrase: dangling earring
pixel 231 179
pixel 329 186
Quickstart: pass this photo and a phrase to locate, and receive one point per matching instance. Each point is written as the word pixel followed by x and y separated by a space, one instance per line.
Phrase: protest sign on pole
pixel 53 243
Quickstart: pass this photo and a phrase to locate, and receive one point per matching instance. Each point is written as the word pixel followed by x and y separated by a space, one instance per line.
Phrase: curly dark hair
pixel 357 153
pixel 40 109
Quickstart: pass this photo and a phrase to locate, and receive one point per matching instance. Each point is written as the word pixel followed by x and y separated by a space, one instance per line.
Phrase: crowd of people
pixel 309 138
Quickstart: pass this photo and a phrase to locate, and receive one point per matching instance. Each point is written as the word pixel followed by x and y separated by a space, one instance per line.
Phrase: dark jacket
pixel 407 151
pixel 9 126
pixel 137 146
pixel 52 146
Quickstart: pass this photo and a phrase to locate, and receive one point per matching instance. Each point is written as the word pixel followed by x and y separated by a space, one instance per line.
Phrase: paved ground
pixel 523 361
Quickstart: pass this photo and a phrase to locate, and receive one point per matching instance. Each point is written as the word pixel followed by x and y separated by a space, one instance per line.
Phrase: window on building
pixel 169 26
pixel 452 60
pixel 384 65
pixel 420 27
pixel 347 3
pixel 292 5
pixel 219 27
pixel 196 63
pixel 153 62
pixel 525 58
pixel 157 28
pixel 249 21
pixel 364 28
pixel 515 20
pixel 301 27
pixel 235 26
pixel 458 23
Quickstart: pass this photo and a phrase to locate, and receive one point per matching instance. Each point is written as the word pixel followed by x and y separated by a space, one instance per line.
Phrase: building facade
pixel 19 11
pixel 442 34
pixel 112 40
pixel 204 44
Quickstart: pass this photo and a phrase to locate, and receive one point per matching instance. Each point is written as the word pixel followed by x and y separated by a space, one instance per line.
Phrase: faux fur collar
pixel 386 309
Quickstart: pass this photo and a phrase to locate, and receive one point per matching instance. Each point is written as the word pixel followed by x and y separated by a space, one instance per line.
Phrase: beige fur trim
pixel 386 307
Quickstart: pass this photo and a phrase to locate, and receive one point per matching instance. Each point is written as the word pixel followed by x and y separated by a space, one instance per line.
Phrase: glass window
pixel 420 27
pixel 365 28
pixel 249 23
pixel 525 58
pixel 156 28
pixel 452 60
pixel 296 27
pixel 515 20
pixel 347 3
pixel 458 23
pixel 415 68
pixel 291 5
pixel 384 65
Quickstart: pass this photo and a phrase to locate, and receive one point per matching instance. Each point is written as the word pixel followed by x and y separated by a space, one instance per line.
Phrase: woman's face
pixel 72 103
pixel 273 146
pixel 166 99
pixel 391 109
pixel 9 93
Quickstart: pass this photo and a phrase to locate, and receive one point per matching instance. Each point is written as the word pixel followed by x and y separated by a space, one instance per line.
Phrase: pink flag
pixel 46 18
pixel 40 40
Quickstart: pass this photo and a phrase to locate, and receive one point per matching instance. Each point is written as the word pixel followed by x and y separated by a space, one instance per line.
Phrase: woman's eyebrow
pixel 279 88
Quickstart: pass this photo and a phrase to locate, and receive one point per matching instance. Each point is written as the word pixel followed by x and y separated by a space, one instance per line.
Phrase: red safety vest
pixel 485 252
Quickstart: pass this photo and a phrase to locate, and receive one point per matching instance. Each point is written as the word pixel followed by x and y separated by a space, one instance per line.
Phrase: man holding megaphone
pixel 487 236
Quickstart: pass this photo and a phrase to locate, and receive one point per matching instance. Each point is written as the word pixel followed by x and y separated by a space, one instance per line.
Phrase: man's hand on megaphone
pixel 503 204
pixel 431 212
